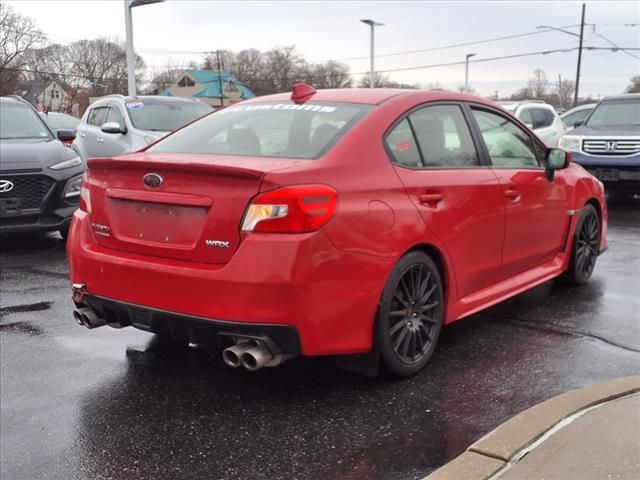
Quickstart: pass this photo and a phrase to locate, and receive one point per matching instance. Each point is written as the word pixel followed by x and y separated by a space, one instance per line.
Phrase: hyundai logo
pixel 152 180
pixel 5 186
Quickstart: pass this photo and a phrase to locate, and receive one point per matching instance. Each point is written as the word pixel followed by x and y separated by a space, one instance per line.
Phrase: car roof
pixel 373 96
pixel 625 96
pixel 126 98
pixel 13 100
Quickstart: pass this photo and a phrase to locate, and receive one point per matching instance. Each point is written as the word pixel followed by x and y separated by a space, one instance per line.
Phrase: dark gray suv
pixel 39 176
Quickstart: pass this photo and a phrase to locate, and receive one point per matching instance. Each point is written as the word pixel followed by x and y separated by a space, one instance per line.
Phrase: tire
pixel 585 247
pixel 410 314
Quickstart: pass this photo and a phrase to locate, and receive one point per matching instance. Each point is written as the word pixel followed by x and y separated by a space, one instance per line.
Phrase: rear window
pixel 21 122
pixel 164 116
pixel 268 129
pixel 616 112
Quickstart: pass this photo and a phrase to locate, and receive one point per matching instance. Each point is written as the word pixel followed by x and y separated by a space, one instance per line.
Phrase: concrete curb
pixel 491 453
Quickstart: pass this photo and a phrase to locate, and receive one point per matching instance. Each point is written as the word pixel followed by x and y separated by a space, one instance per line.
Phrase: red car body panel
pixel 496 232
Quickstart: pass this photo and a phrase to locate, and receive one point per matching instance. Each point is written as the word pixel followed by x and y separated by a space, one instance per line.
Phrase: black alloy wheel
pixel 585 248
pixel 410 314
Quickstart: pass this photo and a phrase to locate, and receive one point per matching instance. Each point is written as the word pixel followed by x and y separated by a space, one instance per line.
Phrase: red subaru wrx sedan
pixel 340 222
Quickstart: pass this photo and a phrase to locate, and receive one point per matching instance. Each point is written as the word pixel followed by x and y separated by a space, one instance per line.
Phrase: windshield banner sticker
pixel 280 106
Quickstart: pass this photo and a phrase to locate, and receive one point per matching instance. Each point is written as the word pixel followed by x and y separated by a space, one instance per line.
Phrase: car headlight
pixel 570 143
pixel 73 162
pixel 73 187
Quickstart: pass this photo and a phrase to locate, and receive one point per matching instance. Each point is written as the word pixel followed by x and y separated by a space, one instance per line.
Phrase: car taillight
pixel 85 195
pixel 295 209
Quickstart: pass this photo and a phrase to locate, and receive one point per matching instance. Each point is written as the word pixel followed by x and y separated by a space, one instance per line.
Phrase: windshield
pixel 21 122
pixel 615 112
pixel 61 121
pixel 269 129
pixel 164 116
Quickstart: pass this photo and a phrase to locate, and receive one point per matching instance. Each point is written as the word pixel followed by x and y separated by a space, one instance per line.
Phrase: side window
pixel 114 115
pixel 402 145
pixel 525 116
pixel 98 116
pixel 540 119
pixel 444 137
pixel 507 143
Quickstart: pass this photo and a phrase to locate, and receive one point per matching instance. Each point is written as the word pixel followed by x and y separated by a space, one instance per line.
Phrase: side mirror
pixel 529 125
pixel 66 135
pixel 113 127
pixel 556 159
pixel 578 123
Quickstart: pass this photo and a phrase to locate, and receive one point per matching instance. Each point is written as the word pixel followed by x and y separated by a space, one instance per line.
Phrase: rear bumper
pixel 302 282
pixel 187 327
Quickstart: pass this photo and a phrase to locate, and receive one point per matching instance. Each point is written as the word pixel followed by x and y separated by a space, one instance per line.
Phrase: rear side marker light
pixel 294 209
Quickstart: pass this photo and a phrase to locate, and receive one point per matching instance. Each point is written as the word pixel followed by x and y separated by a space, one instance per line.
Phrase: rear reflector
pixel 295 209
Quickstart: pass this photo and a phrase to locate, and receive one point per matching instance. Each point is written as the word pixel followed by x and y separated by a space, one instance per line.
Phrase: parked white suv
pixel 539 116
pixel 116 124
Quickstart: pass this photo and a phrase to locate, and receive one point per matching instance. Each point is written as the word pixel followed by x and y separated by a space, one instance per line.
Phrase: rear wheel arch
pixel 437 257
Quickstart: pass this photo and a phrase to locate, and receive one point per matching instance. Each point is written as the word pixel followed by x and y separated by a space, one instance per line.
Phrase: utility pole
pixel 466 70
pixel 560 95
pixel 575 98
pixel 219 78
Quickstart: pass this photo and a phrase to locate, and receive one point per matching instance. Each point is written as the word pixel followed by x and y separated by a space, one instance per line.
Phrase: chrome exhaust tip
pixel 256 358
pixel 232 355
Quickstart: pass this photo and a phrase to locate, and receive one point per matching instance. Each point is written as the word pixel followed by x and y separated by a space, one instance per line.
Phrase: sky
pixel 178 31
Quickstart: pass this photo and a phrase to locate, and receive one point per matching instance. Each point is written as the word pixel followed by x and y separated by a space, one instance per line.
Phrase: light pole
pixel 581 37
pixel 466 70
pixel 373 25
pixel 131 67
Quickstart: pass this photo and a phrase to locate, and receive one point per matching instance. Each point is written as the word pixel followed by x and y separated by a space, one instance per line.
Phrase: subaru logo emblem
pixel 152 180
pixel 5 186
pixel 611 146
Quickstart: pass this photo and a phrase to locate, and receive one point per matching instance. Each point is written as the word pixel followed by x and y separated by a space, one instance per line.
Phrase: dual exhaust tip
pixel 86 317
pixel 252 354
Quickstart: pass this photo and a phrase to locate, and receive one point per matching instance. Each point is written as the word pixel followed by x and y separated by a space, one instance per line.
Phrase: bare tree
pixel 18 34
pixel 166 77
pixel 383 81
pixel 565 91
pixel 331 74
pixel 635 85
pixel 538 84
pixel 102 65
pixel 522 94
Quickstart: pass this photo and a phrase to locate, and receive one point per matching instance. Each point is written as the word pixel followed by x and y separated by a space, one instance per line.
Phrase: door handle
pixel 100 140
pixel 513 195
pixel 431 198
pixel 82 135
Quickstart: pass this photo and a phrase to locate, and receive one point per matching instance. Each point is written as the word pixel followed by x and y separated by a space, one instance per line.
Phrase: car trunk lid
pixel 184 206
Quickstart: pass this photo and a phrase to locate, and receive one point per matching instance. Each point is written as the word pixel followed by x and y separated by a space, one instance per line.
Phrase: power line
pixel 446 47
pixel 617 46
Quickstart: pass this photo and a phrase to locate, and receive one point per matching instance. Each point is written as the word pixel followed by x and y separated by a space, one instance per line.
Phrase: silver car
pixel 117 124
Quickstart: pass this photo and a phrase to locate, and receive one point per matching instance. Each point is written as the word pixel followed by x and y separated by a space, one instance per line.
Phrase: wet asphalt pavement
pixel 122 404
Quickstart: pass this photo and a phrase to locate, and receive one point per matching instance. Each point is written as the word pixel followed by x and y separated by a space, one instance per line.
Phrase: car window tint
pixel 444 137
pixel 540 119
pixel 525 116
pixel 550 116
pixel 507 143
pixel 114 115
pixel 98 116
pixel 579 116
pixel 402 145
